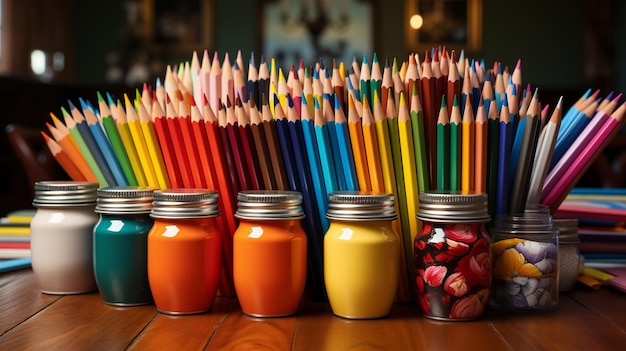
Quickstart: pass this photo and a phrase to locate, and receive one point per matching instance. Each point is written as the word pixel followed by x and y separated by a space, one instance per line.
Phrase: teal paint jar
pixel 120 258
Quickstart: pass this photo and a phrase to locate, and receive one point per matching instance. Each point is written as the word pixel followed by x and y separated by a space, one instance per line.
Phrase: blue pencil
pixel 517 145
pixel 317 176
pixel 90 141
pixel 345 148
pixel 104 143
pixel 311 223
pixel 325 151
pixel 504 147
pixel 565 138
pixel 327 111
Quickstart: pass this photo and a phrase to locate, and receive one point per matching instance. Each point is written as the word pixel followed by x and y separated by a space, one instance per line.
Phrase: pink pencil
pixel 590 131
pixel 583 161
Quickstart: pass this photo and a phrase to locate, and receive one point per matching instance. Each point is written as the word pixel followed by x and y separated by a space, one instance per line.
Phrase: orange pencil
pixel 480 135
pixel 358 147
pixel 63 159
pixel 72 151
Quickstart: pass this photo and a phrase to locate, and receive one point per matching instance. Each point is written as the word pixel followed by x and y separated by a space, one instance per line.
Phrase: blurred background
pixel 55 50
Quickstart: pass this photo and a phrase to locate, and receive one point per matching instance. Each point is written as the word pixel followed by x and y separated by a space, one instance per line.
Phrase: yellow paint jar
pixel 361 254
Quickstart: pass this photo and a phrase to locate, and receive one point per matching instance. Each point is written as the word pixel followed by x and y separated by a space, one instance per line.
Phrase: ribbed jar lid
pixel 184 203
pixel 269 204
pixel 453 207
pixel 361 206
pixel 125 200
pixel 60 193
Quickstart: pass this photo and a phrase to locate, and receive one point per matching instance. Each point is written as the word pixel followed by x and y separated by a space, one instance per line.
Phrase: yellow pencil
pixel 119 114
pixel 139 141
pixel 371 148
pixel 152 144
pixel 467 148
pixel 408 166
pixel 389 177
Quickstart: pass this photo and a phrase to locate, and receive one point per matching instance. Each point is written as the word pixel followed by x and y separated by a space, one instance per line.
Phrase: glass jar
pixel 569 253
pixel 269 252
pixel 120 250
pixel 361 254
pixel 184 250
pixel 62 236
pixel 452 260
pixel 525 263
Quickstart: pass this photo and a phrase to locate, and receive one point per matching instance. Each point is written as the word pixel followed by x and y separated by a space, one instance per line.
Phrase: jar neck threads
pixel 124 200
pixel 185 203
pixel 361 206
pixel 269 205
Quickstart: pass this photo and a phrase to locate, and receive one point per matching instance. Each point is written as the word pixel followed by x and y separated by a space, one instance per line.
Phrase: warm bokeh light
pixel 416 21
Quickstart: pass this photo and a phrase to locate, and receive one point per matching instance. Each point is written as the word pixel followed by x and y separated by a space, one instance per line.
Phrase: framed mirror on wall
pixel 457 24
pixel 307 30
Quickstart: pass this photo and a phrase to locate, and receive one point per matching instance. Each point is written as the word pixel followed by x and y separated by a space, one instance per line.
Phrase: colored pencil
pixel 315 165
pixel 235 170
pixel 429 106
pixel 370 140
pixel 419 142
pixel 273 147
pixel 443 148
pixel 358 146
pixel 456 146
pixel 260 148
pixel 83 128
pixel 119 114
pixel 63 138
pixel 63 159
pixel 504 149
pixel 545 149
pixel 493 134
pixel 164 139
pixel 196 176
pixel 247 141
pixel 325 150
pixel 139 139
pixel 481 138
pixel 345 147
pixel 85 149
pixel 178 144
pixel 152 144
pixel 116 142
pixel 97 131
pixel 583 160
pixel 468 149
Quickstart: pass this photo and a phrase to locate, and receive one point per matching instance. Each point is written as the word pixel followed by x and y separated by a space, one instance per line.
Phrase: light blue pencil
pixel 345 148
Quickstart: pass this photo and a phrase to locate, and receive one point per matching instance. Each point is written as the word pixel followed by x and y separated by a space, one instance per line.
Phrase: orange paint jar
pixel 269 253
pixel 184 250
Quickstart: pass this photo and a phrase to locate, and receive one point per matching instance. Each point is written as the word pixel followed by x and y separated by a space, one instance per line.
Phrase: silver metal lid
pixel 124 200
pixel 361 206
pixel 184 203
pixel 453 207
pixel 269 204
pixel 60 193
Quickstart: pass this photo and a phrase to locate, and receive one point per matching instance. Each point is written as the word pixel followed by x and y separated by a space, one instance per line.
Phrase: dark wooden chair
pixel 33 154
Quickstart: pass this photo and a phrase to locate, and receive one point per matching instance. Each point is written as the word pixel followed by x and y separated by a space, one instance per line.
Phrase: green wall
pixel 545 35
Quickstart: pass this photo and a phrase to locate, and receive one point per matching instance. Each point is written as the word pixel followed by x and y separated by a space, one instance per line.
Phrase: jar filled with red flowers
pixel 452 259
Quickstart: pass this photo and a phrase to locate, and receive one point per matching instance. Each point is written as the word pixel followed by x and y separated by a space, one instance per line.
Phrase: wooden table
pixel 30 320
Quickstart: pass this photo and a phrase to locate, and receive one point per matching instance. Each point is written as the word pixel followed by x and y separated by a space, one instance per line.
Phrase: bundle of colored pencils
pixel 441 123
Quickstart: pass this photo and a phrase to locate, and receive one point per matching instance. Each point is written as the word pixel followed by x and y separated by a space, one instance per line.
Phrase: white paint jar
pixel 62 236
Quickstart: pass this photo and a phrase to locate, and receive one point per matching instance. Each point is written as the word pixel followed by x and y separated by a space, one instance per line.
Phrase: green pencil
pixel 455 146
pixel 419 141
pixel 116 141
pixel 443 147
